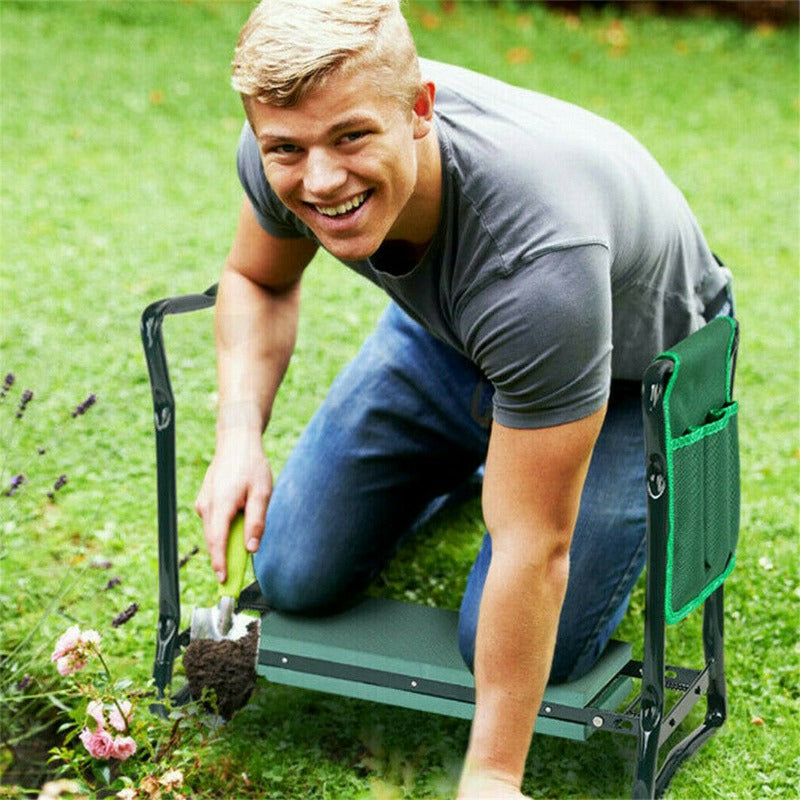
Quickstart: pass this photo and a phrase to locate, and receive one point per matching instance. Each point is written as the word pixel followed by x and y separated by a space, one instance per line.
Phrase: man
pixel 538 258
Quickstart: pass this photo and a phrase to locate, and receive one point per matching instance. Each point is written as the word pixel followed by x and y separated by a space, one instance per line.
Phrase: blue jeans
pixel 404 427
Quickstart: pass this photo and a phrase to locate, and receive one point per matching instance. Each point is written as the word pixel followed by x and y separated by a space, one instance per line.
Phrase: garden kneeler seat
pixel 407 654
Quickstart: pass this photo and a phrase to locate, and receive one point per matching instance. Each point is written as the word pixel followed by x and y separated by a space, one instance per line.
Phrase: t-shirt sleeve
pixel 543 337
pixel 271 214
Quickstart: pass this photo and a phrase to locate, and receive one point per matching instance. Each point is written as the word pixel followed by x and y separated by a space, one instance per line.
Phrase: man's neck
pixel 419 219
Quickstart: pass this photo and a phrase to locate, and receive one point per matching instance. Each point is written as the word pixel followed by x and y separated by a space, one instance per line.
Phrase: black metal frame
pixel 169 601
pixel 645 717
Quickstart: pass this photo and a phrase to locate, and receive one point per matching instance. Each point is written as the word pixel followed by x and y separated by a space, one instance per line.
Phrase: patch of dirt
pixel 226 667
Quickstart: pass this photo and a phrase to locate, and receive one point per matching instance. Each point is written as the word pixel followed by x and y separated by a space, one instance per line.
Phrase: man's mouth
pixel 343 209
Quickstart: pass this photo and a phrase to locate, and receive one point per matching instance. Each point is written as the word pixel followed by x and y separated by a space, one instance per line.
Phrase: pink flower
pixel 99 744
pixel 68 641
pixel 67 653
pixel 119 715
pixel 73 649
pixel 124 747
pixel 118 720
pixel 95 711
pixel 66 665
pixel 91 637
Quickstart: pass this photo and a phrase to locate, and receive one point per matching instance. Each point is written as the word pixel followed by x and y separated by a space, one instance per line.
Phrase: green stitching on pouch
pixel 670 488
pixel 708 429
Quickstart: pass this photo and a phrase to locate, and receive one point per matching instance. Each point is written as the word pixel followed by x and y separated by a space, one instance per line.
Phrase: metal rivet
pixel 597 722
pixel 547 709
pixel 284 660
pixel 413 684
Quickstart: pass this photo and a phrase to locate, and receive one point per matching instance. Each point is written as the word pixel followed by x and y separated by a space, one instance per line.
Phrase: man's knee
pixel 303 585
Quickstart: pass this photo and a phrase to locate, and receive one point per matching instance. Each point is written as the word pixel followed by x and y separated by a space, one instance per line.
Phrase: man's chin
pixel 348 251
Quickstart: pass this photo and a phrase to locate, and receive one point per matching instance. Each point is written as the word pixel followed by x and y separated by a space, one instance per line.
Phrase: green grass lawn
pixel 118 187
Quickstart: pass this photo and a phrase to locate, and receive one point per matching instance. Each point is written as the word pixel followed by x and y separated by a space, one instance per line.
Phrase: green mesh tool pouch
pixel 702 453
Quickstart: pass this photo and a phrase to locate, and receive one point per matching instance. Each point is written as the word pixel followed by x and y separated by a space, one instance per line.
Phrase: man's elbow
pixel 540 558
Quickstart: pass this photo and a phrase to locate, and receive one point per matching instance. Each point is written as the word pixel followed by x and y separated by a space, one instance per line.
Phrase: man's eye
pixel 353 136
pixel 285 149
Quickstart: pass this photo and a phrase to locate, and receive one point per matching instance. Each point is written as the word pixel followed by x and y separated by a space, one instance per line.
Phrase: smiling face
pixel 353 163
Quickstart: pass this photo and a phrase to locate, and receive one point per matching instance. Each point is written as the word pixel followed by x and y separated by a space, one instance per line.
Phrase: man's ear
pixel 423 110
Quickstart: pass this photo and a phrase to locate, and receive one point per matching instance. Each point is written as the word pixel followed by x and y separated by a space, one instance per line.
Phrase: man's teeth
pixel 335 211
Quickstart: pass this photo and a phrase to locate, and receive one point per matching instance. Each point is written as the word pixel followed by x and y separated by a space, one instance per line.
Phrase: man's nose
pixel 324 174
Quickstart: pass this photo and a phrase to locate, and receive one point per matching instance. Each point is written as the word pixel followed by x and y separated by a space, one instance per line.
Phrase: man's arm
pixel 531 494
pixel 255 323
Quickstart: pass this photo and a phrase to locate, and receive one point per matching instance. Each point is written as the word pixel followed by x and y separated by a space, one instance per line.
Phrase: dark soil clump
pixel 228 668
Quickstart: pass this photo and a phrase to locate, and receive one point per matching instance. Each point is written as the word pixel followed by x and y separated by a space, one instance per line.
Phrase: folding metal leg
pixel 716 696
pixel 713 645
pixel 651 714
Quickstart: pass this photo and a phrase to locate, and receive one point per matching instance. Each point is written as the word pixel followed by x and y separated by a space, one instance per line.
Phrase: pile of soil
pixel 226 667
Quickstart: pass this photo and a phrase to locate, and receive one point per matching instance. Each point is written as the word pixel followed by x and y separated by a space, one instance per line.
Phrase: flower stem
pixel 110 679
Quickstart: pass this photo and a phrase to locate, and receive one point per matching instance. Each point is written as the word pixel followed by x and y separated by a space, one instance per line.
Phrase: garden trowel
pixel 223 647
pixel 220 622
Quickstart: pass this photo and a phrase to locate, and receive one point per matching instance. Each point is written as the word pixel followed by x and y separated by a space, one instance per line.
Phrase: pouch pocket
pixel 704 510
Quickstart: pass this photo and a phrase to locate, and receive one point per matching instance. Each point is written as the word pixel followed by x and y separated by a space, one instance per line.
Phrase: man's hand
pixel 238 478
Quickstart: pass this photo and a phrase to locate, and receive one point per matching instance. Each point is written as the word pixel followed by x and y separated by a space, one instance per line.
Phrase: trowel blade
pixel 209 623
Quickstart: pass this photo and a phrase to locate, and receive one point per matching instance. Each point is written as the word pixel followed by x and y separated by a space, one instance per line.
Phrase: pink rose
pixel 95 711
pixel 90 637
pixel 68 664
pixel 124 747
pixel 118 720
pixel 73 649
pixel 66 643
pixel 99 744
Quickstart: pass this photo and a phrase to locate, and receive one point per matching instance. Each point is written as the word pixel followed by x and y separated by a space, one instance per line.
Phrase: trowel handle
pixel 236 557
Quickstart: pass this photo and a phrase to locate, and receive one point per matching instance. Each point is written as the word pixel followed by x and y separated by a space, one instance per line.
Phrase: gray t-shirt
pixel 564 255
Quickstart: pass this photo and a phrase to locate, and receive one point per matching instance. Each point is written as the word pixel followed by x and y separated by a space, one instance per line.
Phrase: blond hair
pixel 287 48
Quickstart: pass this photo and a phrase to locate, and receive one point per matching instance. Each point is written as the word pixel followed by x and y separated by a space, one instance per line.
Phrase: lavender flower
pixel 185 559
pixel 125 615
pixel 112 583
pixel 27 396
pixel 8 382
pixel 14 485
pixel 24 683
pixel 83 407
pixel 60 482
